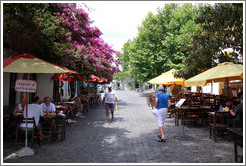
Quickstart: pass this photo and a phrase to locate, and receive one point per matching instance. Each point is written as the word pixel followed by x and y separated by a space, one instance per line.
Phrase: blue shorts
pixel 109 106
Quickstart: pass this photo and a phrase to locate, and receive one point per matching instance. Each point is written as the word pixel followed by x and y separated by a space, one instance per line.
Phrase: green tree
pixel 157 47
pixel 24 33
pixel 121 75
pixel 220 27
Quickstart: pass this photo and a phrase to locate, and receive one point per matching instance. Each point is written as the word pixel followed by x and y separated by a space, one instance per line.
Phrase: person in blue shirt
pixel 162 102
pixel 227 103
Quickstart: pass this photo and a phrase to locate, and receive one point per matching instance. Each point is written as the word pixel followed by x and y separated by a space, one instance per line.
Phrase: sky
pixel 119 20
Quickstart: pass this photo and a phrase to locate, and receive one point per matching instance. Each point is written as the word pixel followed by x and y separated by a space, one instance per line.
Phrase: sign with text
pixel 180 102
pixel 25 86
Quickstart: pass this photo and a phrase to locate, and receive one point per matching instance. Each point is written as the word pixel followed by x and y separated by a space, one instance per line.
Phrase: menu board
pixel 25 86
pixel 180 102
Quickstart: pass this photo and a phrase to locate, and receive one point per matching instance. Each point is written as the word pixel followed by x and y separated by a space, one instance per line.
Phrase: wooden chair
pixel 60 126
pixel 20 132
pixel 177 116
pixel 218 122
pixel 148 100
pixel 48 128
pixel 193 115
pixel 204 115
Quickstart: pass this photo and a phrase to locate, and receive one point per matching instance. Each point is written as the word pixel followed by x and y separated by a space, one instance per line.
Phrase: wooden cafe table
pixel 238 140
pixel 180 112
pixel 64 109
pixel 57 124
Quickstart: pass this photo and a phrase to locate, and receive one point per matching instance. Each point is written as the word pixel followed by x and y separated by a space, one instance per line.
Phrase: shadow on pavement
pixel 89 139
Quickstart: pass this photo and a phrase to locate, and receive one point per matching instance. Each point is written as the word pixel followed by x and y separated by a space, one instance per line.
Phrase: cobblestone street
pixel 131 137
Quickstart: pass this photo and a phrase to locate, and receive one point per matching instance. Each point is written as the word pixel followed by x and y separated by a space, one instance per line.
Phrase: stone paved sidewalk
pixel 130 138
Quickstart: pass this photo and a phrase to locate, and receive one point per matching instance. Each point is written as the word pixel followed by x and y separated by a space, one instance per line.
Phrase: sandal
pixel 159 136
pixel 162 140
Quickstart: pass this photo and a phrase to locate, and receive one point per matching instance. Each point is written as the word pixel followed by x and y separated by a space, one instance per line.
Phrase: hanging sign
pixel 25 86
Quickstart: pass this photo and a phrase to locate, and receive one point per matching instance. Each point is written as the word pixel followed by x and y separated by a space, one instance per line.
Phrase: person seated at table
pixel 238 113
pixel 84 101
pixel 47 106
pixel 226 104
pixel 175 90
pixel 34 110
pixel 20 107
pixel 77 104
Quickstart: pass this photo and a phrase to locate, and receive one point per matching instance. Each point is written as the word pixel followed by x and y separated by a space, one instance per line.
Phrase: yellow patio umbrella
pixel 27 63
pixel 167 78
pixel 153 81
pixel 226 71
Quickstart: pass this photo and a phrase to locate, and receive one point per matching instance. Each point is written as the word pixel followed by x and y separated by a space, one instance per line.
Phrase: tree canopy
pixel 59 33
pixel 189 38
pixel 157 47
pixel 220 27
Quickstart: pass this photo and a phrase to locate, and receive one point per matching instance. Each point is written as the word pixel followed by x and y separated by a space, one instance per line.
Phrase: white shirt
pixel 109 97
pixel 169 91
pixel 49 108
pixel 20 107
pixel 34 110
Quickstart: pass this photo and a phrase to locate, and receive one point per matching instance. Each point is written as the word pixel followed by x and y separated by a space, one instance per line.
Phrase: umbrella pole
pixel 26 117
pixel 212 86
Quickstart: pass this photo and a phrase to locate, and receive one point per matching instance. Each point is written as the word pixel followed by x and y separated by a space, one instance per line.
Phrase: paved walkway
pixel 130 138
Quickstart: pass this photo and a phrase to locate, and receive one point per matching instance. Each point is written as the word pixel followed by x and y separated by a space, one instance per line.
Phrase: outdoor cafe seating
pixel 65 108
pixel 20 132
pixel 237 133
pixel 218 123
pixel 207 103
pixel 53 127
pixel 203 110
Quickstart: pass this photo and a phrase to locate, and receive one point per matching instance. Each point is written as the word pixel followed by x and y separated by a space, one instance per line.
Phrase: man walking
pixel 109 99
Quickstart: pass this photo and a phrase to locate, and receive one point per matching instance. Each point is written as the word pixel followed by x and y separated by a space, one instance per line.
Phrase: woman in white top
pixel 20 107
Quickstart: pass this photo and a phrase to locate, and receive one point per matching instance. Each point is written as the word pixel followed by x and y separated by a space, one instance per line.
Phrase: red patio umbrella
pixel 66 77
pixel 103 80
pixel 72 77
pixel 93 78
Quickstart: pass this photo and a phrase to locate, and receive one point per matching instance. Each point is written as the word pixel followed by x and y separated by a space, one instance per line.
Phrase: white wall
pixel 44 86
